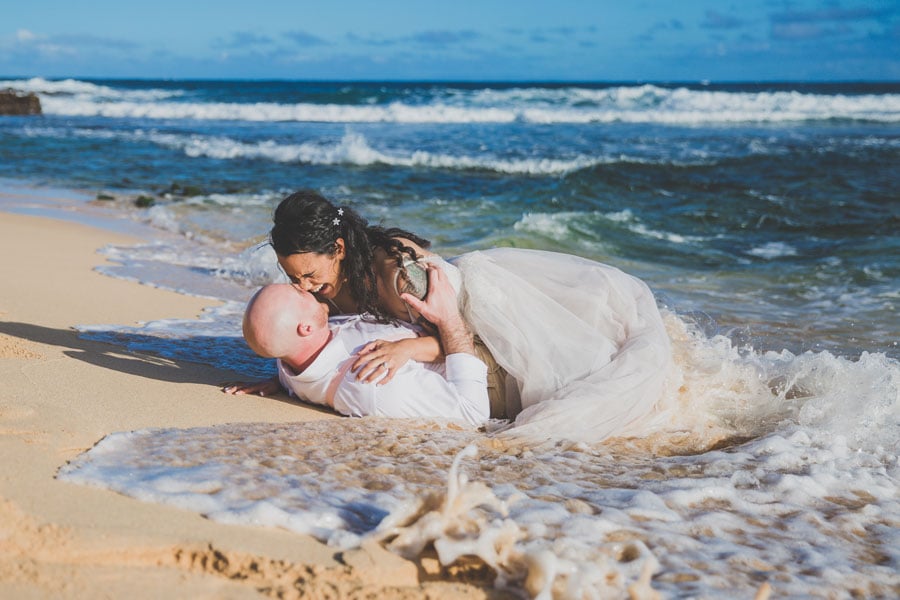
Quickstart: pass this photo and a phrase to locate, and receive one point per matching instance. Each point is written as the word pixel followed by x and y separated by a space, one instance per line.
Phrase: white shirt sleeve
pixel 467 375
pixel 417 391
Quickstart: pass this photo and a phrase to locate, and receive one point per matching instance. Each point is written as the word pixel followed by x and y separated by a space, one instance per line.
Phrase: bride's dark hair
pixel 306 221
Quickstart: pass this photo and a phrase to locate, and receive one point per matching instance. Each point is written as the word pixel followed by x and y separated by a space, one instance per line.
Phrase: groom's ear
pixel 304 329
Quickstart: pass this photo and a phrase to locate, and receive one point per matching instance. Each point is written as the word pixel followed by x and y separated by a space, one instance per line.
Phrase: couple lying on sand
pixel 374 323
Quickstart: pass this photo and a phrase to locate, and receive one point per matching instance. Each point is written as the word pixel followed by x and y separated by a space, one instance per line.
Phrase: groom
pixel 315 355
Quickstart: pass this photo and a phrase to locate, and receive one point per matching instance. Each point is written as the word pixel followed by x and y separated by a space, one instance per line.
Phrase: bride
pixel 583 344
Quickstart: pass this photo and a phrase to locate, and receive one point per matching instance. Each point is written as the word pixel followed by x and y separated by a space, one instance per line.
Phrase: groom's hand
pixel 440 307
pixel 439 304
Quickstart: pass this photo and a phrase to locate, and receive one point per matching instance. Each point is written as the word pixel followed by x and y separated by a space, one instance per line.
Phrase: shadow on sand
pixel 210 360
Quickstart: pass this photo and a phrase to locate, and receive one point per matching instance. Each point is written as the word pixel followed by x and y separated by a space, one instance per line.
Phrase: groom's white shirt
pixel 454 389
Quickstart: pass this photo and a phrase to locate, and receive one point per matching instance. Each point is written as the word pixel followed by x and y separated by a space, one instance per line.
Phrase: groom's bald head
pixel 279 318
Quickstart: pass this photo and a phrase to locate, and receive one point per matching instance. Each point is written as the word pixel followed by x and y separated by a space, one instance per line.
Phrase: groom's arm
pixel 440 307
pixel 465 372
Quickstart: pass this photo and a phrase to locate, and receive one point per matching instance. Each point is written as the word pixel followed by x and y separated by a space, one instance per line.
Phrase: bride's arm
pixel 393 355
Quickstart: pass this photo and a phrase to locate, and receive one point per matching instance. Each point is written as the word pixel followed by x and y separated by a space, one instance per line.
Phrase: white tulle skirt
pixel 584 341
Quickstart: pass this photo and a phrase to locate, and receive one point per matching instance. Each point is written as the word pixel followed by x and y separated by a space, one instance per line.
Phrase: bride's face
pixel 320 274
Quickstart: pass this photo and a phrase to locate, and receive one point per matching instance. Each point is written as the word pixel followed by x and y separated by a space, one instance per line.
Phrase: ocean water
pixel 765 217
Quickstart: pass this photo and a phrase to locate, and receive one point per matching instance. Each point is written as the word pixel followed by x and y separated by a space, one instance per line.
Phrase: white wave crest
pixel 74 92
pixel 563 224
pixel 628 104
pixel 772 250
pixel 272 112
pixel 354 149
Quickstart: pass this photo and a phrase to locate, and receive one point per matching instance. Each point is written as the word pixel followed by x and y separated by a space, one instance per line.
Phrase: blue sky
pixel 559 40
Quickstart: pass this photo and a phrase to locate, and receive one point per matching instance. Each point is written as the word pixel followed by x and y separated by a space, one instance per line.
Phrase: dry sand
pixel 60 394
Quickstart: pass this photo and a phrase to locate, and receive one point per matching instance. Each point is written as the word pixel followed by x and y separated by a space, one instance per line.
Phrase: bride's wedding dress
pixel 584 341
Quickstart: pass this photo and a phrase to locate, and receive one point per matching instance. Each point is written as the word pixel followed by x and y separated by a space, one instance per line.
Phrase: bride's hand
pixel 379 360
pixel 262 388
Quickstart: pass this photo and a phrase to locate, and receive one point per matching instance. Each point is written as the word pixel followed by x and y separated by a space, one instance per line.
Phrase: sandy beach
pixel 61 395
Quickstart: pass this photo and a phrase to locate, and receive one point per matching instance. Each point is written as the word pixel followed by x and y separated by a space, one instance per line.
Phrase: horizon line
pixel 703 82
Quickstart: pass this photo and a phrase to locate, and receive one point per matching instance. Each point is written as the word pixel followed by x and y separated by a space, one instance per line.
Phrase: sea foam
pixel 770 469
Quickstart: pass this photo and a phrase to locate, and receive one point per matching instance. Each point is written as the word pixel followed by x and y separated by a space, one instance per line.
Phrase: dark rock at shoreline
pixel 13 102
pixel 184 190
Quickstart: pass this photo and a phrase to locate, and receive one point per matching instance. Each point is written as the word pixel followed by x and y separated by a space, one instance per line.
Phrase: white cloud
pixel 23 35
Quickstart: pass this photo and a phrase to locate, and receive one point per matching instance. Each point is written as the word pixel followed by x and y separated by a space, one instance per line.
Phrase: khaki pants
pixel 504 400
